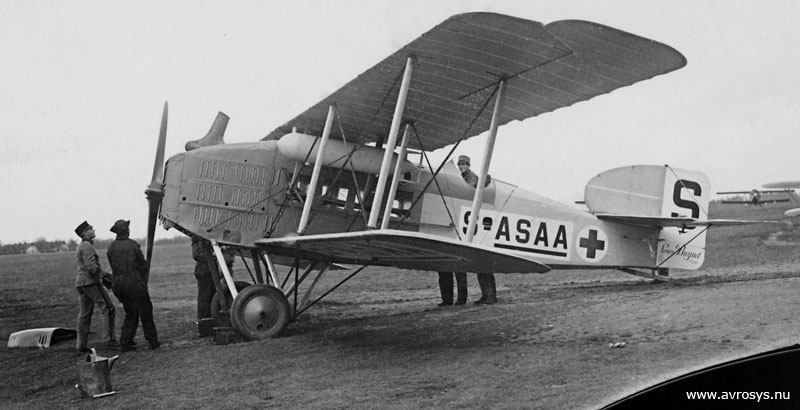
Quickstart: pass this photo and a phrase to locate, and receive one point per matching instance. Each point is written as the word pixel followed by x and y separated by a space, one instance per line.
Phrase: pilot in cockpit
pixel 467 174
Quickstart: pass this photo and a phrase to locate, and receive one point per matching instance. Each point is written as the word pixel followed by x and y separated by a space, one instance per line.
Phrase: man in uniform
pixel 205 284
pixel 485 280
pixel 469 176
pixel 130 272
pixel 90 293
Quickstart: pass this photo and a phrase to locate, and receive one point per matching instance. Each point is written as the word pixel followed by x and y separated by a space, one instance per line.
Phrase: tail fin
pixel 686 193
pixel 657 192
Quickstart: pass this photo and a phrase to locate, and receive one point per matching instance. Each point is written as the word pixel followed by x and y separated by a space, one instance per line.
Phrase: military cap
pixel 120 226
pixel 82 228
pixel 463 159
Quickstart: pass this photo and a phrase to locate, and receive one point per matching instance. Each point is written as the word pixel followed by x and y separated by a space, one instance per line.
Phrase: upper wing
pixel 402 249
pixel 784 184
pixel 760 191
pixel 460 62
pixel 666 222
pixel 760 202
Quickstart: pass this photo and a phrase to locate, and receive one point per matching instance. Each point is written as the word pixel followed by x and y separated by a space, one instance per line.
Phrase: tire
pixel 260 312
pixel 223 320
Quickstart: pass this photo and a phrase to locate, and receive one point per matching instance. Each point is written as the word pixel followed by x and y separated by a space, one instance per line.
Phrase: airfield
pixel 379 341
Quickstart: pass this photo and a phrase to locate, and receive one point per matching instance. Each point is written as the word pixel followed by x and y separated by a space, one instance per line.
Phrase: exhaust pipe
pixel 215 134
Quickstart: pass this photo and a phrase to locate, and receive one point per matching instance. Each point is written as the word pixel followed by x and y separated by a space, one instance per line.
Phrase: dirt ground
pixel 380 341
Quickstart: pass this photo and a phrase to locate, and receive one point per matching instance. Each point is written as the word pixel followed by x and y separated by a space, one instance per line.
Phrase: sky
pixel 83 84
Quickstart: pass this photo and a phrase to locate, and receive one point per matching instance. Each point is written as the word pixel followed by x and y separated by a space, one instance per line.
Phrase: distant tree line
pixel 42 245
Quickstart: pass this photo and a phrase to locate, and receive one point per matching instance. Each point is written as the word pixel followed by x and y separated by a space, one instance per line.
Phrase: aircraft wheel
pixel 223 320
pixel 260 312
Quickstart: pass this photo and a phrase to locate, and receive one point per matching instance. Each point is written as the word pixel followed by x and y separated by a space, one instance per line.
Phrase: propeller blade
pixel 158 167
pixel 154 202
pixel 155 190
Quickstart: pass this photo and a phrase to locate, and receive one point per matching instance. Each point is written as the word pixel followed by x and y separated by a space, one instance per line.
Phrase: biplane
pixel 791 187
pixel 754 197
pixel 349 182
pixel 758 197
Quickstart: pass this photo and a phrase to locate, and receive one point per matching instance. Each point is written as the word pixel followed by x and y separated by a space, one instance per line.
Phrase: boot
pixel 488 292
pixel 461 285
pixel 482 285
pixel 490 300
pixel 446 288
pixel 109 319
pixel 80 344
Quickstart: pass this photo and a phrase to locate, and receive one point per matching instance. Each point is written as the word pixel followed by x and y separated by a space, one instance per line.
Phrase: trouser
pixel 446 286
pixel 136 301
pixel 90 296
pixel 205 294
pixel 487 285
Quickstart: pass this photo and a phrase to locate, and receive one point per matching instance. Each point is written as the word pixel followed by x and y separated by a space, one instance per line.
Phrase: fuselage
pixel 236 194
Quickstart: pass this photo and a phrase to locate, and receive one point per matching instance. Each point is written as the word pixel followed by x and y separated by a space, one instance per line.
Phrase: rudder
pixel 657 191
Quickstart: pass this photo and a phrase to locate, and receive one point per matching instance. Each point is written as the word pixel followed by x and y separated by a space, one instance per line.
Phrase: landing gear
pixel 220 314
pixel 260 312
pixel 263 311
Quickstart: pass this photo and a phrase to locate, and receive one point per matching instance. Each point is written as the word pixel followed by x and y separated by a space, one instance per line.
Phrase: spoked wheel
pixel 223 320
pixel 260 312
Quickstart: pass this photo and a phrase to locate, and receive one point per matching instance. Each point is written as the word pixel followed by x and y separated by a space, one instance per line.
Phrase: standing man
pixel 202 253
pixel 446 287
pixel 205 284
pixel 130 272
pixel 90 293
pixel 485 280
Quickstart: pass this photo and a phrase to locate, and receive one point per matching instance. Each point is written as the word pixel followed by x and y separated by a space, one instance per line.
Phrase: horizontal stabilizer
pixel 666 222
pixel 401 249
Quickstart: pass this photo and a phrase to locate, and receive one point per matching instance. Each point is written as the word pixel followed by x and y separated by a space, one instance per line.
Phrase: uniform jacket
pixel 89 270
pixel 200 267
pixel 470 178
pixel 201 264
pixel 127 262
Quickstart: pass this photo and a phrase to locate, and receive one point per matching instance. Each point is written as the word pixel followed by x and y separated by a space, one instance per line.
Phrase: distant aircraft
pixel 789 185
pixel 754 197
pixel 332 186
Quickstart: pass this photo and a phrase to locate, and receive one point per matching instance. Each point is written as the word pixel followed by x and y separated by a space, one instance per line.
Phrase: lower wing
pixel 401 249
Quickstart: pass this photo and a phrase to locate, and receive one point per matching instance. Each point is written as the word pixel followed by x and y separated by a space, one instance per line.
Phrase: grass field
pixel 380 342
